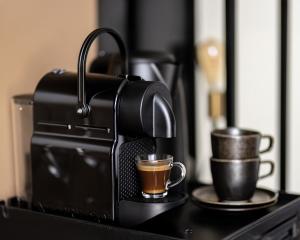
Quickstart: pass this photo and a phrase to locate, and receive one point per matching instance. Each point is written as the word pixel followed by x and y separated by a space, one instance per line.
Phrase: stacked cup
pixel 235 162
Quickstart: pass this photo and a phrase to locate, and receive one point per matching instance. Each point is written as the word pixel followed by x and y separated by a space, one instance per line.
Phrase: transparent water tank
pixel 22 120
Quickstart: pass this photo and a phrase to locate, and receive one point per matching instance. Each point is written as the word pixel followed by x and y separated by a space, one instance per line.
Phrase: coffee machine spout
pixel 164 125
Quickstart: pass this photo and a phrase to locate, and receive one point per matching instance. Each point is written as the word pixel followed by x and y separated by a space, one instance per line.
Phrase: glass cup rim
pixel 154 157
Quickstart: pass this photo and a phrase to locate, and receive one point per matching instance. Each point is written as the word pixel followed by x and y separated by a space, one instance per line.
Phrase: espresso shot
pixel 154 172
pixel 154 176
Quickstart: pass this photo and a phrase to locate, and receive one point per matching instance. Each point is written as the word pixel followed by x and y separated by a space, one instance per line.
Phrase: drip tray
pixel 140 209
pixel 171 197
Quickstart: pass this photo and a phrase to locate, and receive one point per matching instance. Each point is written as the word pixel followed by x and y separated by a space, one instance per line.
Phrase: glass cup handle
pixel 182 176
pixel 271 168
pixel 271 142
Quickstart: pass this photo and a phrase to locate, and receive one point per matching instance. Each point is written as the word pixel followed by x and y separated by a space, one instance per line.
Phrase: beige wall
pixel 35 37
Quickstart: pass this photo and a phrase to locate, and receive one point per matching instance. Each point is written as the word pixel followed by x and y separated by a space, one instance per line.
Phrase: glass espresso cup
pixel 154 171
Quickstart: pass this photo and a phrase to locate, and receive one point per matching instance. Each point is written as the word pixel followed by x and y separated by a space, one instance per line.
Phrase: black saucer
pixel 206 197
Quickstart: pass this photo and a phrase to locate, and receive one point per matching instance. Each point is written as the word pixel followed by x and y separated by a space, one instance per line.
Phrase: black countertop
pixel 186 222
pixel 192 222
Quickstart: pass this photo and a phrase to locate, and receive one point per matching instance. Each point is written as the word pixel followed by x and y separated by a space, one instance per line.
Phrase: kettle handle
pixel 82 107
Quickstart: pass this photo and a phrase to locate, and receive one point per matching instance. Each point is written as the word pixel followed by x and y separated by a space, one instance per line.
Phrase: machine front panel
pixel 72 176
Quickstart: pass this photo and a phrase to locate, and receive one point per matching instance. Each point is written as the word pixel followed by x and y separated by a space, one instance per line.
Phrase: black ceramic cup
pixel 235 180
pixel 237 143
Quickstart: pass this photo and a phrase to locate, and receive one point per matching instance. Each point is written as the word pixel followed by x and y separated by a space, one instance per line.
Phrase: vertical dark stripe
pixel 98 5
pixel 283 91
pixel 131 26
pixel 190 41
pixel 230 61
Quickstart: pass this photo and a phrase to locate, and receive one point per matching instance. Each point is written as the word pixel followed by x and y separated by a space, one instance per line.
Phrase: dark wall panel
pixel 113 14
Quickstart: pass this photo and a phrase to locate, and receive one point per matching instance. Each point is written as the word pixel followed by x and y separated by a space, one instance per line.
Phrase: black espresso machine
pixel 88 128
